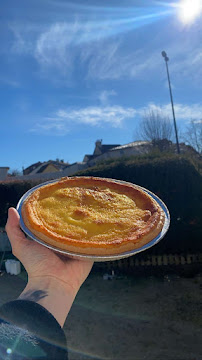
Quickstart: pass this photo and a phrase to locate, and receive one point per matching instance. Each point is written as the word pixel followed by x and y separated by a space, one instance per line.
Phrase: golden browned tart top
pixel 92 216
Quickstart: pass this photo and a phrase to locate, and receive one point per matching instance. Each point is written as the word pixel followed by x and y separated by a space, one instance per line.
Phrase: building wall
pixel 74 168
pixel 113 154
pixel 50 168
pixel 3 173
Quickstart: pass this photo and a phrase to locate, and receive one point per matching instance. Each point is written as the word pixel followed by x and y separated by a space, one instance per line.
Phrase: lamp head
pixel 165 55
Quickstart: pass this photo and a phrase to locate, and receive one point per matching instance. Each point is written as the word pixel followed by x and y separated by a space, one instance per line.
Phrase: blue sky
pixel 74 72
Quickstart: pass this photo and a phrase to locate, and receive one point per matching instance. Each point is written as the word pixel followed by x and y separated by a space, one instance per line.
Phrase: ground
pixel 154 318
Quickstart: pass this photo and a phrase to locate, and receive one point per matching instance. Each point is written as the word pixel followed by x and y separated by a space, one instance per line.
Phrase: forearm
pixel 52 294
pixel 29 331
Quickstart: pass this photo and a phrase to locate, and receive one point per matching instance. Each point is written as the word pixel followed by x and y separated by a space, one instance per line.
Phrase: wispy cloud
pixel 108 116
pixel 98 44
pixel 114 63
pixel 65 119
pixel 24 38
pixel 50 126
pixel 105 95
pixel 182 111
pixel 98 116
pixel 57 47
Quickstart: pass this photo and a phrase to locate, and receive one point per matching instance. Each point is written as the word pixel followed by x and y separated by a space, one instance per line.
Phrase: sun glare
pixel 189 10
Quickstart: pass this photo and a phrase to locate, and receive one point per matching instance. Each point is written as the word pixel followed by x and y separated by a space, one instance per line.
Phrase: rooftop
pixel 132 144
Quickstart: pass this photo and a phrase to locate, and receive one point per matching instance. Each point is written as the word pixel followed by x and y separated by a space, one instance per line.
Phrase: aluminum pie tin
pixel 97 258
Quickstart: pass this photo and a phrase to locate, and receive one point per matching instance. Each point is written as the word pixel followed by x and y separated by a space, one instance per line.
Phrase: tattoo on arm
pixel 33 295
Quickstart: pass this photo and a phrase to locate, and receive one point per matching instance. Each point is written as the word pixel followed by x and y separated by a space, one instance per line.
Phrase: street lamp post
pixel 171 99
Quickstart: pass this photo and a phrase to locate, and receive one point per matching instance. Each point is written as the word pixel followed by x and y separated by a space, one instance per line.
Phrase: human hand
pixel 45 268
pixel 40 261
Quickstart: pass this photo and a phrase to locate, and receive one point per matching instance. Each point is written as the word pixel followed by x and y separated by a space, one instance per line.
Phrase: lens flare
pixel 189 10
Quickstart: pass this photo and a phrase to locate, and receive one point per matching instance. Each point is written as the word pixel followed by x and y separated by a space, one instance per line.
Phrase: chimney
pixel 98 143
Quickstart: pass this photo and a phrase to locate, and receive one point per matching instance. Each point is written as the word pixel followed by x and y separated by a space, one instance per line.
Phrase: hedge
pixel 10 194
pixel 178 183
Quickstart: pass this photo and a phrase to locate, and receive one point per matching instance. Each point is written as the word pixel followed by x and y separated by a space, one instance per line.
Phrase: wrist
pixel 52 293
pixel 53 282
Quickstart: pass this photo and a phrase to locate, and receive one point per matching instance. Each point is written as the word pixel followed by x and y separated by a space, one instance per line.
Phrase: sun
pixel 189 10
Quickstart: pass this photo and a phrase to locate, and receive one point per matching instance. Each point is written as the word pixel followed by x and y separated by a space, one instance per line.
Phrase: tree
pixel 15 172
pixel 193 135
pixel 155 126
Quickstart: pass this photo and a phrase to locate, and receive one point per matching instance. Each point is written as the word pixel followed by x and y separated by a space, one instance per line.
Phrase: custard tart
pixel 92 216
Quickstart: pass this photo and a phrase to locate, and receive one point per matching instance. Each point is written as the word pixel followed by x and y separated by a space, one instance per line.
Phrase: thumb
pixel 13 217
pixel 16 236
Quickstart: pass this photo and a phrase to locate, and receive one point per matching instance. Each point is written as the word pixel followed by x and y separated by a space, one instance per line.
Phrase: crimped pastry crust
pixel 92 216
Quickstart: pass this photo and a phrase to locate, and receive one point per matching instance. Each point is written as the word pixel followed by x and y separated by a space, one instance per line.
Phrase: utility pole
pixel 171 99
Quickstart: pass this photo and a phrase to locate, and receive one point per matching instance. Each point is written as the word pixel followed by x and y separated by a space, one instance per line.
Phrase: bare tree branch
pixel 155 126
pixel 193 135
